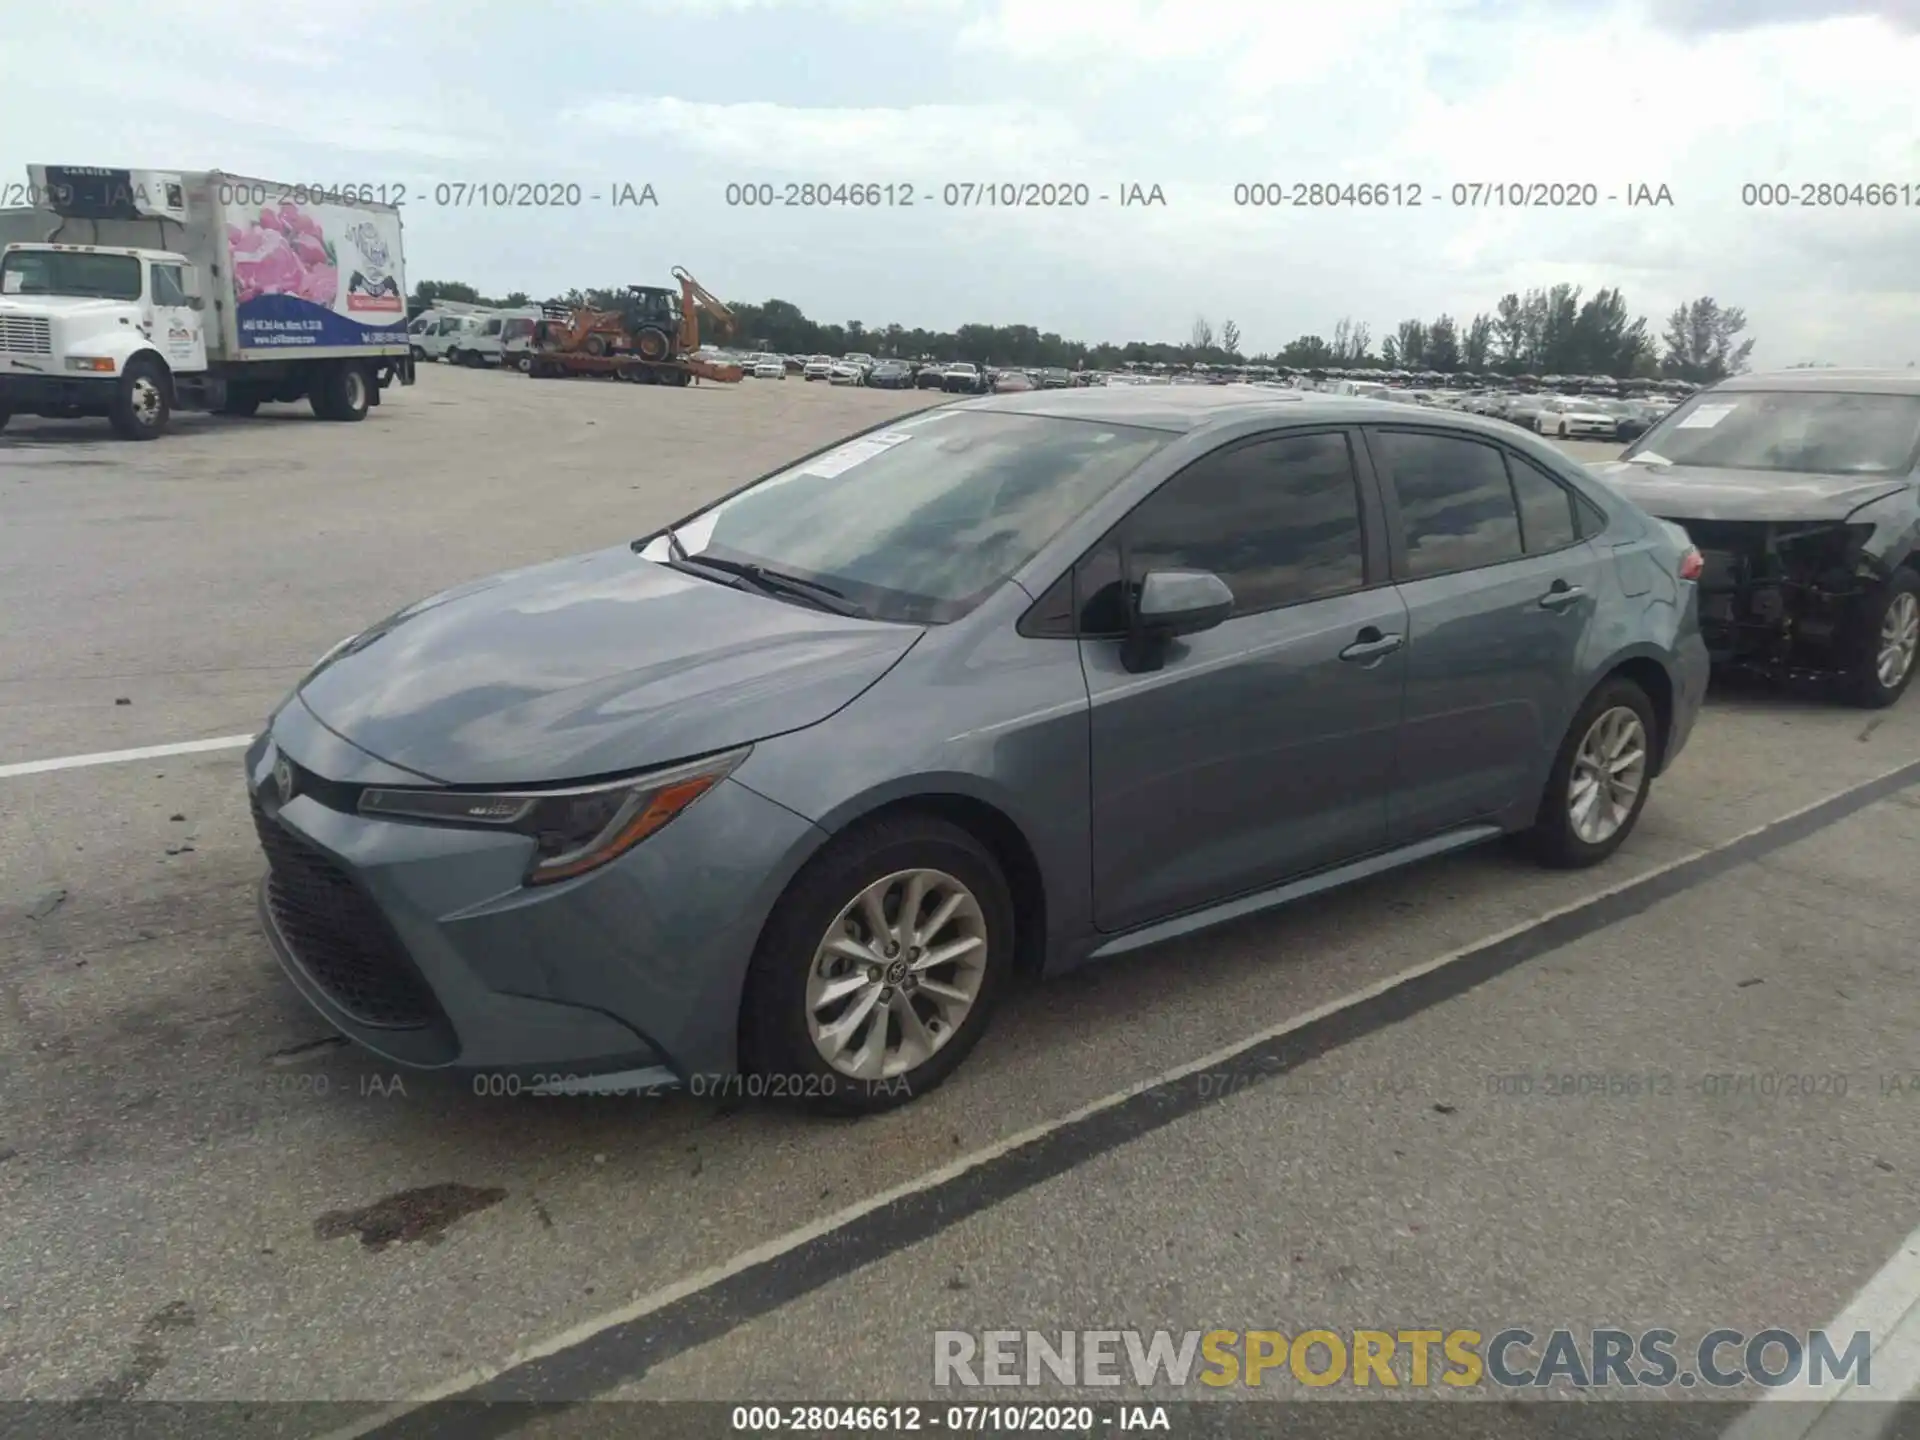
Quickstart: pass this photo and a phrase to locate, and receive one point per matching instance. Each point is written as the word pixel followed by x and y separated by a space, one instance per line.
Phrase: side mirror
pixel 1181 602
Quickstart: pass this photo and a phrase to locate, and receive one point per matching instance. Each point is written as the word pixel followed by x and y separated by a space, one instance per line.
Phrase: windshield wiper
pixel 812 591
pixel 772 582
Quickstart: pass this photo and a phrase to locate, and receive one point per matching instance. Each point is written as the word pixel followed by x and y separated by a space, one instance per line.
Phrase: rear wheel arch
pixel 1652 677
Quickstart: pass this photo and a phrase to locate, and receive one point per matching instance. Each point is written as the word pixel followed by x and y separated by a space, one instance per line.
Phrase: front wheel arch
pixel 771 1036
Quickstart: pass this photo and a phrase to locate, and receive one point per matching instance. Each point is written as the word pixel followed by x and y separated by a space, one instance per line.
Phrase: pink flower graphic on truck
pixel 284 252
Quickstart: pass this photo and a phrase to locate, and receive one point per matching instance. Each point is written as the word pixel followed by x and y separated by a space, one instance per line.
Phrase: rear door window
pixel 1456 504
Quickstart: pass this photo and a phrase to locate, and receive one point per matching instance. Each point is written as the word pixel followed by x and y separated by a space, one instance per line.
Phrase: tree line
pixel 1544 331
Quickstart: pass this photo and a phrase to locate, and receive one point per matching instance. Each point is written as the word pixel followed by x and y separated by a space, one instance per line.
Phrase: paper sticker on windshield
pixel 13 279
pixel 857 452
pixel 1706 417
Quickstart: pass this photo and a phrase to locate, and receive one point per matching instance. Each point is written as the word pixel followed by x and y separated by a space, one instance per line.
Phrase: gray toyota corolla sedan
pixel 776 800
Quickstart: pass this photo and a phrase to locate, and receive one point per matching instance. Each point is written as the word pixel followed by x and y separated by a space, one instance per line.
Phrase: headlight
pixel 98 363
pixel 574 830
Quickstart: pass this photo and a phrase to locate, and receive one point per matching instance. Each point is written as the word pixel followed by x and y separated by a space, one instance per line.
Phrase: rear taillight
pixel 1692 564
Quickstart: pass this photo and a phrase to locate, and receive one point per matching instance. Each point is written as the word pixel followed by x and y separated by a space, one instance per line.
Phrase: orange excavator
pixel 652 339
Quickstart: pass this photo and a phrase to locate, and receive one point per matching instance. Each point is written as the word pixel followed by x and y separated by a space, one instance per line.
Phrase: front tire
pixel 1886 644
pixel 1600 779
pixel 880 967
pixel 140 405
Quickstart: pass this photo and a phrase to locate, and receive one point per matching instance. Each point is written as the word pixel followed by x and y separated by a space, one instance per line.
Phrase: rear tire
pixel 1582 821
pixel 783 1005
pixel 141 408
pixel 241 405
pixel 343 392
pixel 1882 669
pixel 5 416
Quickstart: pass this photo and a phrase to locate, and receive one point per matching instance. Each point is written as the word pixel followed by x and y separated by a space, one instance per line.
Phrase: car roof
pixel 1193 407
pixel 1861 381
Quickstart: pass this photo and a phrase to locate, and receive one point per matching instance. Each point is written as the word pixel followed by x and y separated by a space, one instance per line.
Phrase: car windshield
pixel 920 522
pixel 69 272
pixel 1794 431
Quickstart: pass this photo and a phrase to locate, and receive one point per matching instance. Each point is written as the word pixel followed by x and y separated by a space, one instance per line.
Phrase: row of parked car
pixel 1564 416
pixel 1545 412
pixel 859 368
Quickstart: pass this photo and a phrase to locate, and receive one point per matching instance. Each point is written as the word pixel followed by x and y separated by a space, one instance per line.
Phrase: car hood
pixel 1687 492
pixel 595 665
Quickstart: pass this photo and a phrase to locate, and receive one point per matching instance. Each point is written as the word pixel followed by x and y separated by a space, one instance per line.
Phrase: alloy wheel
pixel 1899 638
pixel 897 974
pixel 1609 772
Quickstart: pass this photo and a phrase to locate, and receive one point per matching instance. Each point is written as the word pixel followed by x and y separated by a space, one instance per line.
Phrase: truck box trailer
pixel 145 292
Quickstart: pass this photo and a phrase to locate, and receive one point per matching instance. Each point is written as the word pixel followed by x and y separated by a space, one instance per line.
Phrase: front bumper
pixel 420 943
pixel 92 393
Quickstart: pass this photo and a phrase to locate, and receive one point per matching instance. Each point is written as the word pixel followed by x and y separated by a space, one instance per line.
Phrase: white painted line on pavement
pixel 1888 1309
pixel 118 757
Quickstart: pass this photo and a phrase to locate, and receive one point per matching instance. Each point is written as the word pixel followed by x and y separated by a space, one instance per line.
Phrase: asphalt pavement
pixel 1677 1091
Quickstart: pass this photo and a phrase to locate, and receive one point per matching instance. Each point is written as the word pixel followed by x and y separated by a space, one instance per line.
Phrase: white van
pixel 451 340
pixel 506 337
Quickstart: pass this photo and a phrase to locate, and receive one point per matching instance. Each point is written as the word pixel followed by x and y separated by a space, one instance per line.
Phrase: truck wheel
pixel 341 393
pixel 240 403
pixel 5 415
pixel 140 409
pixel 523 363
pixel 1887 644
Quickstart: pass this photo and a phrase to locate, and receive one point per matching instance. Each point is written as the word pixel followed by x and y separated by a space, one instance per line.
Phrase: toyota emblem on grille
pixel 283 778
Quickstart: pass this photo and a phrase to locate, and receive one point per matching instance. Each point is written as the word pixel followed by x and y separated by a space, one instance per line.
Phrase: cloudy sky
pixel 1194 96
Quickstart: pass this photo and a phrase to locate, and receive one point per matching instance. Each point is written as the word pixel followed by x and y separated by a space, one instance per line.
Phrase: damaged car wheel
pixel 1888 639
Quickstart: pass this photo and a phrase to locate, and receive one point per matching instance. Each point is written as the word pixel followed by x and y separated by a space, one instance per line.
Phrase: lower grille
pixel 340 939
pixel 26 334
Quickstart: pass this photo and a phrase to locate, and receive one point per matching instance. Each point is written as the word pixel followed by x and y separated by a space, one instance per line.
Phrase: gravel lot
pixel 206 1198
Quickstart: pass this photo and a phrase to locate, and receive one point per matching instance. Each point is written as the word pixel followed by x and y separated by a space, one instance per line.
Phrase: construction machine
pixel 652 338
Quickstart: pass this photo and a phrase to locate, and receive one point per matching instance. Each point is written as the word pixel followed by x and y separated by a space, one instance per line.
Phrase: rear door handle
pixel 1561 596
pixel 1370 644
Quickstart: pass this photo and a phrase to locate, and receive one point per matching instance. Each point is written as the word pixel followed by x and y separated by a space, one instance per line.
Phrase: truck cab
pixel 97 329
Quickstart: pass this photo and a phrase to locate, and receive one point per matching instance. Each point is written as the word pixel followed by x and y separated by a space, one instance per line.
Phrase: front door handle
pixel 1370 644
pixel 1561 595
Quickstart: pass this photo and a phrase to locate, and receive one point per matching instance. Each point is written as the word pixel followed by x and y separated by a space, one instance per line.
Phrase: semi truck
pixel 144 292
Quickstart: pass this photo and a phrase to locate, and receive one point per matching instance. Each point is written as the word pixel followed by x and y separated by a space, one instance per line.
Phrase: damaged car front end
pixel 1802 493
pixel 1781 594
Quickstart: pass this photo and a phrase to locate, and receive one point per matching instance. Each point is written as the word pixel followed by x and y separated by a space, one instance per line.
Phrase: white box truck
pixel 146 292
